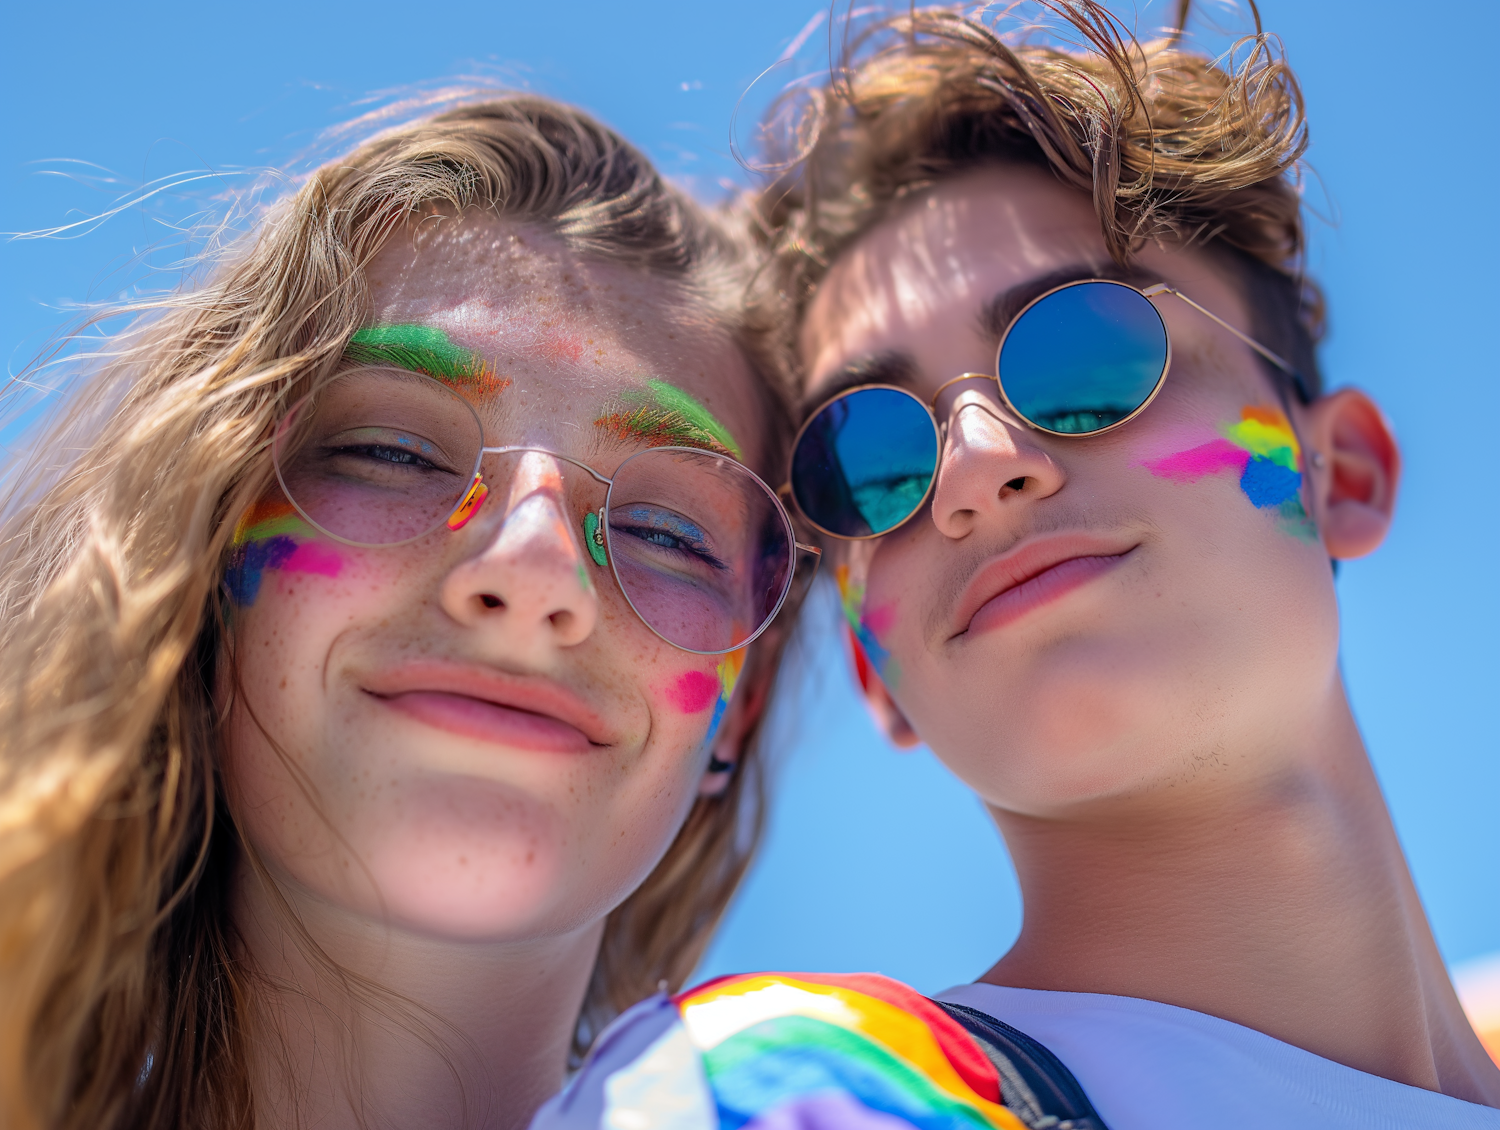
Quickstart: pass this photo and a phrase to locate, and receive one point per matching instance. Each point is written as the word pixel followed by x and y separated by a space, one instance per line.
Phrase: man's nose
pixel 991 465
pixel 529 585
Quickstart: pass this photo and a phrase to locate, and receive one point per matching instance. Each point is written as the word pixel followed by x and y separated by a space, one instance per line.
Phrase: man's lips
pixel 1036 573
pixel 523 713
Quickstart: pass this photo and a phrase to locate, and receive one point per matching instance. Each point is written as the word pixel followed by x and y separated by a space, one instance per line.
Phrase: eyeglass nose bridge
pixel 1001 400
pixel 946 385
pixel 596 538
pixel 478 490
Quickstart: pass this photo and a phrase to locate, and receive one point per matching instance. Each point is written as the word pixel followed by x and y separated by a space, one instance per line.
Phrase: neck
pixel 1284 905
pixel 403 1029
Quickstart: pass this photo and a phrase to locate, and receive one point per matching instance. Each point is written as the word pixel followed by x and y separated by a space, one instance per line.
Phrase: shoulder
pixel 790 1051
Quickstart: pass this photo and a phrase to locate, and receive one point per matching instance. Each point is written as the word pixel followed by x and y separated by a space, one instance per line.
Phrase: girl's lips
pixel 490 721
pixel 1040 589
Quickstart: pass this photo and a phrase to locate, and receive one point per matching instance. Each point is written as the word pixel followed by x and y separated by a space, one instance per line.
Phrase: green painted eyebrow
pixel 422 349
pixel 674 420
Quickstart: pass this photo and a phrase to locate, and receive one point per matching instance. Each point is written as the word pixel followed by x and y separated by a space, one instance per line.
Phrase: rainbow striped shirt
pixel 784 1051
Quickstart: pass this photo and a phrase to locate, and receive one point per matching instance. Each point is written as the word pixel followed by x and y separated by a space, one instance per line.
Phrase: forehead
pixel 565 331
pixel 930 267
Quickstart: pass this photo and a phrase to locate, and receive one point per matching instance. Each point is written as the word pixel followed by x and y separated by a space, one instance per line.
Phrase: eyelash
pixel 383 451
pixel 690 537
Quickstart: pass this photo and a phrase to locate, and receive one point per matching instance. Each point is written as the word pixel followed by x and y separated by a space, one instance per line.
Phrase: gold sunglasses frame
pixel 930 405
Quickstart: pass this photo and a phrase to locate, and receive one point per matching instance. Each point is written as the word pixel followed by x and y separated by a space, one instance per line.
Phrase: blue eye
pixel 399 455
pixel 666 530
pixel 392 448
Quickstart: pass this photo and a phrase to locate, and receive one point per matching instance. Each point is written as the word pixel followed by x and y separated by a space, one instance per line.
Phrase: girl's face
pixel 473 736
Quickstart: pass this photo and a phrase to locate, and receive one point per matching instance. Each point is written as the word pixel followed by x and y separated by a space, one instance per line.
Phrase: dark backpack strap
pixel 1035 1085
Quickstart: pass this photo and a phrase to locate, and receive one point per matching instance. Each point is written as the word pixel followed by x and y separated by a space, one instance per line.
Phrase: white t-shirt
pixel 1152 1066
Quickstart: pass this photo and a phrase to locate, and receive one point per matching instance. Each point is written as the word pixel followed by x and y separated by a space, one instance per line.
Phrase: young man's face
pixel 1072 619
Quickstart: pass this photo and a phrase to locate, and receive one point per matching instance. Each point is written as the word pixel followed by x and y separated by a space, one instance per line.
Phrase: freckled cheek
pixel 286 634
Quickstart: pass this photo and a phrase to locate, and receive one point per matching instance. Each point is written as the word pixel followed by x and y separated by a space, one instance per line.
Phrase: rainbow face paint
pixel 1263 449
pixel 730 666
pixel 266 537
pixel 669 417
pixel 865 627
pixel 424 349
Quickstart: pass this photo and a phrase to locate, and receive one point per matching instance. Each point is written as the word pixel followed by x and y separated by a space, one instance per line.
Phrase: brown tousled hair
pixel 1168 143
pixel 123 996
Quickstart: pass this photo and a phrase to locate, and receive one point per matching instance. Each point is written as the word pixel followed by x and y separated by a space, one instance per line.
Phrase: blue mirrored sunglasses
pixel 1077 361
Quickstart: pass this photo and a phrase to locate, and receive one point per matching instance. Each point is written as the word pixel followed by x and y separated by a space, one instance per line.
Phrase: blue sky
pixel 876 860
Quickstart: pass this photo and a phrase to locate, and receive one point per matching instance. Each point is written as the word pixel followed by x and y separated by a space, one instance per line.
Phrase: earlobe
pixel 1355 468
pixel 718 774
pixel 883 708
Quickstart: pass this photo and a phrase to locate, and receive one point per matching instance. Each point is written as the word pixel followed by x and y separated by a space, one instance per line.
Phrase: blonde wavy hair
pixel 123 998
pixel 1169 144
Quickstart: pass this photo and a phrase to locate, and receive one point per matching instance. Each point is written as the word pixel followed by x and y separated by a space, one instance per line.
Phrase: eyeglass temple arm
pixel 1280 363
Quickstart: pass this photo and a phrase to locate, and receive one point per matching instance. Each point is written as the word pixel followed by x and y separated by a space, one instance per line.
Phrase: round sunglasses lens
pixel 701 548
pixel 864 463
pixel 1083 357
pixel 378 456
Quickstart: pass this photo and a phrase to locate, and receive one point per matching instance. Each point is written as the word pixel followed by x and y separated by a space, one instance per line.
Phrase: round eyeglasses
pixel 1079 360
pixel 701 548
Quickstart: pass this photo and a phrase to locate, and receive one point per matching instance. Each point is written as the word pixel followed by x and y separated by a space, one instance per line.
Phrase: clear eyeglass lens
pixel 702 549
pixel 378 456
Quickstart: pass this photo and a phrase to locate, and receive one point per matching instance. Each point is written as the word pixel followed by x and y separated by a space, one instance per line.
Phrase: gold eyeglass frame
pixel 602 536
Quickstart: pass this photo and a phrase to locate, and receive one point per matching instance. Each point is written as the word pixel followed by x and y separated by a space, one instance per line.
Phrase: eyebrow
pixel 680 421
pixel 423 349
pixel 996 315
pixel 893 367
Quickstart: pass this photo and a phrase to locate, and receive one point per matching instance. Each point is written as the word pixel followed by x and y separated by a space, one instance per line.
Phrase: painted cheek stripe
pixel 266 538
pixel 729 670
pixel 1191 465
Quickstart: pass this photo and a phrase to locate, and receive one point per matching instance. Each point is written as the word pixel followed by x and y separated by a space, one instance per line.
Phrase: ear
pixel 878 698
pixel 1355 468
pixel 746 705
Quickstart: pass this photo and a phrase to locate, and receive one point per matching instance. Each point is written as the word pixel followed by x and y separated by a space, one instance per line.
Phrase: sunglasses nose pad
pixel 469 506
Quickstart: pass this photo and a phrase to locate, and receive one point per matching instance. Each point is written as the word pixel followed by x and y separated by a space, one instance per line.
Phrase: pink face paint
pixel 879 620
pixel 1262 448
pixel 694 692
pixel 1191 465
pixel 310 557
